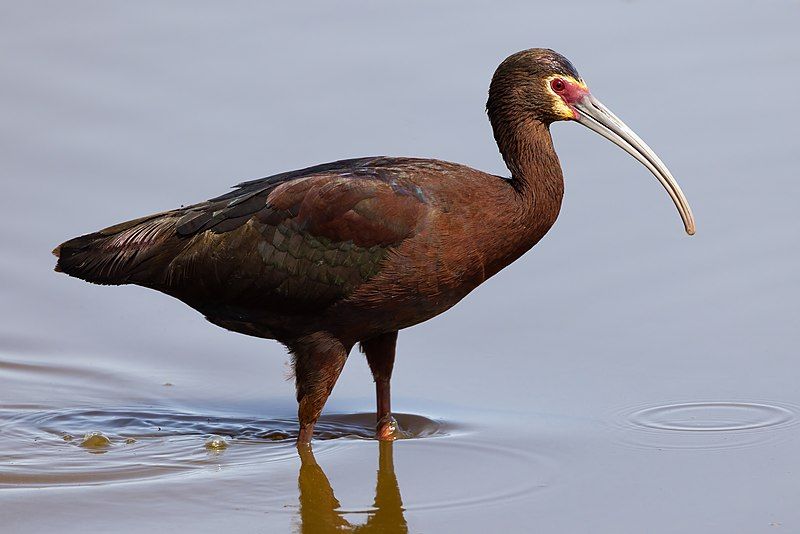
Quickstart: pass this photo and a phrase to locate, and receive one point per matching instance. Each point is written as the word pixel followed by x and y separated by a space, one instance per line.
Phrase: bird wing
pixel 303 242
pixel 291 242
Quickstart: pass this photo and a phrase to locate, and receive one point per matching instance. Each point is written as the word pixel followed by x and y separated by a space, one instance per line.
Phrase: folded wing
pixel 296 241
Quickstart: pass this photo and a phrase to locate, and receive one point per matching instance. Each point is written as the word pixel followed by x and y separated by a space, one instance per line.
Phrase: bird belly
pixel 416 284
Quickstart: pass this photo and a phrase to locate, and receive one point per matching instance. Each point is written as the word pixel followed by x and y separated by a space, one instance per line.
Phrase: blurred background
pixel 579 371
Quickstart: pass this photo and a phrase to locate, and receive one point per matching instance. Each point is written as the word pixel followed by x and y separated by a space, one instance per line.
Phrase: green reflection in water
pixel 319 508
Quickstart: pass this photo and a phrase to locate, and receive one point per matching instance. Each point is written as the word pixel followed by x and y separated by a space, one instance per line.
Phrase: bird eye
pixel 558 85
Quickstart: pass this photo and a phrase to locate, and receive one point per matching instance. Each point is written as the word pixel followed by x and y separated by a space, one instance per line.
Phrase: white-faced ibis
pixel 356 250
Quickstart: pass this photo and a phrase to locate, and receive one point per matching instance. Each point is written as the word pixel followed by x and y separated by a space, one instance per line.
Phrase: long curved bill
pixel 595 116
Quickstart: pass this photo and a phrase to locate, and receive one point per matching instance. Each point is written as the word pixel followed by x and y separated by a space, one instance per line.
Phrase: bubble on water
pixel 95 440
pixel 216 443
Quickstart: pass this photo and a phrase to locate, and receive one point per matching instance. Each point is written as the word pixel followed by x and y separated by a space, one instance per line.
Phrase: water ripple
pixel 49 447
pixel 705 424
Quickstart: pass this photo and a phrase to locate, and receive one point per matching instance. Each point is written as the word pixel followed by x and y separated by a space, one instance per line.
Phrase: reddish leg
pixel 380 352
pixel 318 360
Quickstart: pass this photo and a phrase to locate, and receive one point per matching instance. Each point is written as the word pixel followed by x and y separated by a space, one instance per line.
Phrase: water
pixel 621 377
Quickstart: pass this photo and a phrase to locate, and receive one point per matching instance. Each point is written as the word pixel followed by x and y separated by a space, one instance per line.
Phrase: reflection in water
pixel 319 509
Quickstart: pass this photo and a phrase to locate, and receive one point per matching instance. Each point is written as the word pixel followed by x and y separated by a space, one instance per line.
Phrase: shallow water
pixel 621 377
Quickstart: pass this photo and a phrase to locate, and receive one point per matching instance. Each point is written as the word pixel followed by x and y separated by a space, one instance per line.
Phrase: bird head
pixel 542 85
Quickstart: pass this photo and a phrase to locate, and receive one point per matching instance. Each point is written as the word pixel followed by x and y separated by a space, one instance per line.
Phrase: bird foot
pixel 387 429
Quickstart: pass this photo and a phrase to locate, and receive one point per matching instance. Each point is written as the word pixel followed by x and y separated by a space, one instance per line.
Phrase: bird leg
pixel 380 352
pixel 318 360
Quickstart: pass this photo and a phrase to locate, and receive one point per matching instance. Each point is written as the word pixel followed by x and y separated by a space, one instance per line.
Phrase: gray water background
pixel 112 110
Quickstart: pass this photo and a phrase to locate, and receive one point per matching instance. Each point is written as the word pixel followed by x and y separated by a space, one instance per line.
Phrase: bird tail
pixel 116 255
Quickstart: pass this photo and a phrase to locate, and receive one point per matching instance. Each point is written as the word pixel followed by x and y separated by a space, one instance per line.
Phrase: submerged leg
pixel 318 360
pixel 380 356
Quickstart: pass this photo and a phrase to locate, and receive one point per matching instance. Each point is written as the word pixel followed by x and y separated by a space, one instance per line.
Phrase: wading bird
pixel 355 250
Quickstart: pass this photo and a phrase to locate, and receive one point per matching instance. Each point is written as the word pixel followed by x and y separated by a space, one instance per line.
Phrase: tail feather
pixel 117 255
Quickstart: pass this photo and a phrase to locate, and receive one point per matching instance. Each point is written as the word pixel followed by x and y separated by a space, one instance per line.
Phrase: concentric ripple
pixel 92 446
pixel 706 424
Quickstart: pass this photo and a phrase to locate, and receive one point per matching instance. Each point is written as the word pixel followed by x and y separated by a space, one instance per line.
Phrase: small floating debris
pixel 167 384
pixel 67 437
pixel 95 440
pixel 216 443
pixel 130 441
pixel 273 435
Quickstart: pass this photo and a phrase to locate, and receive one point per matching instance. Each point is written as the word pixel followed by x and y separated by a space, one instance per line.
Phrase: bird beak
pixel 595 116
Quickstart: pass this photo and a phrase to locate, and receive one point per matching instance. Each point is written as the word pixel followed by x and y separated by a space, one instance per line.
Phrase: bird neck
pixel 536 177
pixel 528 206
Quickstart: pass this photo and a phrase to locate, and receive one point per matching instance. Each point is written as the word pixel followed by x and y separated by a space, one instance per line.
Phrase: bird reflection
pixel 319 509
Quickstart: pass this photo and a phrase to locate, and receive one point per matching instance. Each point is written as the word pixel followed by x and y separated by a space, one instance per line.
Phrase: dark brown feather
pixel 288 242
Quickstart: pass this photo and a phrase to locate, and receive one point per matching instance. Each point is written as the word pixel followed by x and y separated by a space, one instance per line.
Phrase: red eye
pixel 558 85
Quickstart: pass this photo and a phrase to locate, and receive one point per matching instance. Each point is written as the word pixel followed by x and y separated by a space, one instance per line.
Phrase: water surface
pixel 621 377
